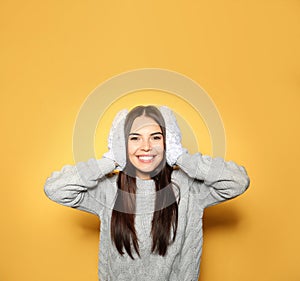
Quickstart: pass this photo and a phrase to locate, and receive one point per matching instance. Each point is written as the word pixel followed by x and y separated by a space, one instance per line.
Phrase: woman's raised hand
pixel 173 136
pixel 116 141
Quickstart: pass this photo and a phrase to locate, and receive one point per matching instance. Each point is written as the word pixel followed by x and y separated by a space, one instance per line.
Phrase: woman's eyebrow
pixel 137 134
pixel 156 133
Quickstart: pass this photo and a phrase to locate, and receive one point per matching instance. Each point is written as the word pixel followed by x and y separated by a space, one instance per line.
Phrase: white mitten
pixel 116 140
pixel 173 136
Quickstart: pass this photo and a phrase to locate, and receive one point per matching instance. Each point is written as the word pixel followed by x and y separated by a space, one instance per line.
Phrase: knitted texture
pixel 116 140
pixel 202 180
pixel 173 136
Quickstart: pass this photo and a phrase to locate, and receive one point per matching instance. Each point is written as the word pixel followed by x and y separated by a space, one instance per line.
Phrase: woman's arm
pixel 74 186
pixel 224 180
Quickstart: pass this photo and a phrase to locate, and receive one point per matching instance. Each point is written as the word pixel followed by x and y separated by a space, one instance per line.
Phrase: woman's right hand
pixel 116 141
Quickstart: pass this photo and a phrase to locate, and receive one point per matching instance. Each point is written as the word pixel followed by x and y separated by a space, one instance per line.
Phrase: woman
pixel 151 211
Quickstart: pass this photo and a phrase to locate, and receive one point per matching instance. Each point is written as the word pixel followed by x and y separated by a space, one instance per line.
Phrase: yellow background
pixel 245 54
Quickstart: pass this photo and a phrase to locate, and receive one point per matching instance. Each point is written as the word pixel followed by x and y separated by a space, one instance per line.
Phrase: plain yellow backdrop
pixel 245 54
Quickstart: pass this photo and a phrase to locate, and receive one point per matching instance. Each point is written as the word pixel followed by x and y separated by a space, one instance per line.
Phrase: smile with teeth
pixel 145 158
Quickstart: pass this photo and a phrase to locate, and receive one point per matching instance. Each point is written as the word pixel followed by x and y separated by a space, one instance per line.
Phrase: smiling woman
pixel 151 210
pixel 145 143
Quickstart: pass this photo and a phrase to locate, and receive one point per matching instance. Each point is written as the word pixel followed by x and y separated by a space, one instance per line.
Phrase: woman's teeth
pixel 146 158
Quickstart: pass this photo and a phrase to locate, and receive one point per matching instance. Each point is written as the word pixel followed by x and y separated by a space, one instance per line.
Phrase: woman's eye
pixel 157 137
pixel 134 138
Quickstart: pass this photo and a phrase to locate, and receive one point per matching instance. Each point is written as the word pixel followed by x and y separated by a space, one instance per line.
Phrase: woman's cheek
pixel 132 148
pixel 159 147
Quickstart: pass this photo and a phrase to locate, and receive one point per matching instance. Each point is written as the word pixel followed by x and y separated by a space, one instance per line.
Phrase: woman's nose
pixel 146 146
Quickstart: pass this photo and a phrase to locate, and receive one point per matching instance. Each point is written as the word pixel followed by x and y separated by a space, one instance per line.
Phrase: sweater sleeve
pixel 216 180
pixel 74 186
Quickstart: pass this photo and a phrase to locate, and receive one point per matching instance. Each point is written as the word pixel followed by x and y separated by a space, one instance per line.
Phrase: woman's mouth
pixel 146 158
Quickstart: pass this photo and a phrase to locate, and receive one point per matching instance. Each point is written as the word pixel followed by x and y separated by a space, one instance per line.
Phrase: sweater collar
pixel 145 186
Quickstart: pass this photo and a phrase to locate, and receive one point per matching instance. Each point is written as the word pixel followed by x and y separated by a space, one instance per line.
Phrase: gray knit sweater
pixel 203 181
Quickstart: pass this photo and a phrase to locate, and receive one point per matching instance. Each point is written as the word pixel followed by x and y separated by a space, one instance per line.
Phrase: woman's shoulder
pixel 180 179
pixel 106 187
pixel 186 183
pixel 179 174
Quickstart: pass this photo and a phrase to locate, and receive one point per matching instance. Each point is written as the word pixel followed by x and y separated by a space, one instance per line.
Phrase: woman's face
pixel 145 146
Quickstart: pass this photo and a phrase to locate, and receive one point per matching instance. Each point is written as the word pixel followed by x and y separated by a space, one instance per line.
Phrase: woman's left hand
pixel 174 148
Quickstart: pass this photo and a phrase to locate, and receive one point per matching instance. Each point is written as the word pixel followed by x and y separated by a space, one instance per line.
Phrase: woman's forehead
pixel 143 123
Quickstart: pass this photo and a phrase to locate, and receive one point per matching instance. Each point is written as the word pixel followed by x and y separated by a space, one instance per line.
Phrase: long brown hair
pixel 165 217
